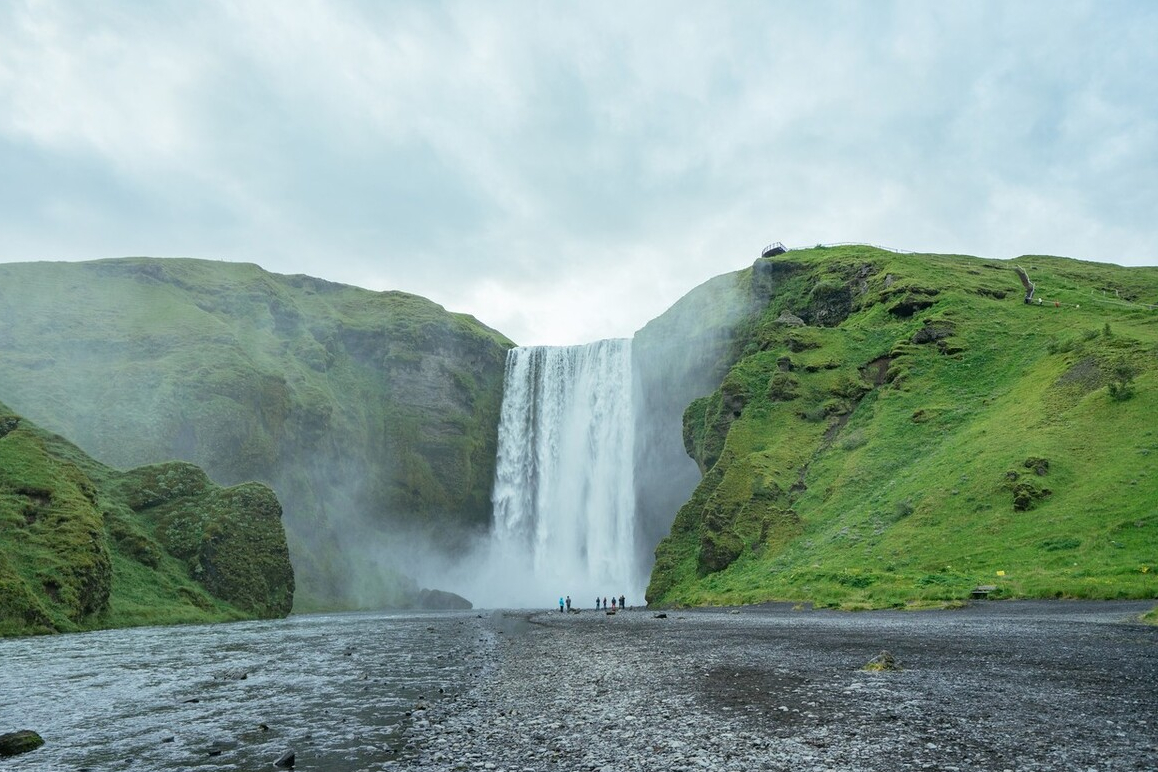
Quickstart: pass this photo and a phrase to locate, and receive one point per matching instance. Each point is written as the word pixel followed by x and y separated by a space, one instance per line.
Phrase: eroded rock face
pixel 676 358
pixel 231 538
pixel 932 331
pixel 789 320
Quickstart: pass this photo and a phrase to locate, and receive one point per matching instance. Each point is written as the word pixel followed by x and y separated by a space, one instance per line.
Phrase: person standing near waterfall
pixel 622 603
pixel 560 604
pixel 568 603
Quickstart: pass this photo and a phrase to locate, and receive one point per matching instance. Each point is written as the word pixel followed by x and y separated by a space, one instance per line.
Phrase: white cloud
pixel 564 172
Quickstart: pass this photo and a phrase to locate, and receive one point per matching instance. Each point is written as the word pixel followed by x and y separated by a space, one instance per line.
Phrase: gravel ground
pixel 993 686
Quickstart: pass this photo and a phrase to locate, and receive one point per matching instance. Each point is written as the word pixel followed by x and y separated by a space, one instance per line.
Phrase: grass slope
pixel 84 546
pixel 372 414
pixel 918 430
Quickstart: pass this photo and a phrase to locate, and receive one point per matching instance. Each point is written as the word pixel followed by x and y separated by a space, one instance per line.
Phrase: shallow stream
pixel 336 689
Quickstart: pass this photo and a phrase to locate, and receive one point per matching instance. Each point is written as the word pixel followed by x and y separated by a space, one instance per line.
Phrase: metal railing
pixel 861 244
pixel 772 248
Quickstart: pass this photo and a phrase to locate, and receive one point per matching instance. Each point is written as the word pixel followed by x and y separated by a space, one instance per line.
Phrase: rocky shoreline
pixel 1020 686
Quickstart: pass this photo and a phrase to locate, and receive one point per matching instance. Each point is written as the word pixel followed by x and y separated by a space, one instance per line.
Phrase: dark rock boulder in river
pixel 15 743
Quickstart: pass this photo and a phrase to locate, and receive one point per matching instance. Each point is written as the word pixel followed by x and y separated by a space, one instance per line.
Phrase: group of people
pixel 565 603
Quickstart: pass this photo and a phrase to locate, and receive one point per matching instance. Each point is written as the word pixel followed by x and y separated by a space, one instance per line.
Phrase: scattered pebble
pixel 780 689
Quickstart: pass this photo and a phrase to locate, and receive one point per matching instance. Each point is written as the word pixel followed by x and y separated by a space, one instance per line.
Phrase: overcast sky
pixel 566 171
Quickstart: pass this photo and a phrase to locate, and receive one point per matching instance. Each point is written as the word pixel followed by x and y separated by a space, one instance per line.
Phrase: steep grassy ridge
pixel 83 546
pixel 904 428
pixel 373 415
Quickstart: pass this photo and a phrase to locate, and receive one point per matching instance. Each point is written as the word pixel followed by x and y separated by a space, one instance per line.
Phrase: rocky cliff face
pixel 373 415
pixel 677 358
pixel 84 546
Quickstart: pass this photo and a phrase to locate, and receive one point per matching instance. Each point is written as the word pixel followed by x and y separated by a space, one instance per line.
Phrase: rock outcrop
pixel 677 358
pixel 23 741
pixel 84 546
pixel 441 600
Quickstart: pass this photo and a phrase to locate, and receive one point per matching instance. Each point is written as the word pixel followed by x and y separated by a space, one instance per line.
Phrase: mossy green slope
pixel 84 546
pixel 372 414
pixel 903 428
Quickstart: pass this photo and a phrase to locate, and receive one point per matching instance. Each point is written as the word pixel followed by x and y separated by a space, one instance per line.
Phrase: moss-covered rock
pixel 84 546
pixel 23 741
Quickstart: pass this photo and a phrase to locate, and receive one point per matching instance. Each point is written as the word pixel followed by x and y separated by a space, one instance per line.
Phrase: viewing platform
pixel 773 249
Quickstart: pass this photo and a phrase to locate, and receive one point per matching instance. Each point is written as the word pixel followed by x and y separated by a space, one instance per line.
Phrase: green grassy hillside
pixel 373 415
pixel 902 428
pixel 84 546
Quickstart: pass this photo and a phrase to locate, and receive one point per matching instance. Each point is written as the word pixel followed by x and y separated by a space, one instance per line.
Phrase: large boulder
pixel 441 600
pixel 15 743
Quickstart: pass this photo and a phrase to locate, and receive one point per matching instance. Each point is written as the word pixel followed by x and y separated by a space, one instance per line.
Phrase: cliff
pixel 898 428
pixel 373 415
pixel 676 358
pixel 84 546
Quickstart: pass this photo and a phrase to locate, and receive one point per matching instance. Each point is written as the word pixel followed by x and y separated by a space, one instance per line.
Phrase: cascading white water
pixel 564 499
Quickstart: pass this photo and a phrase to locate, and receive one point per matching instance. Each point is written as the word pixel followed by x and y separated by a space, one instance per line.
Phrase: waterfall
pixel 564 497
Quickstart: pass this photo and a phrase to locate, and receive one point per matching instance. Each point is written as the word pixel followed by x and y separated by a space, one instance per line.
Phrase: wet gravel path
pixel 994 686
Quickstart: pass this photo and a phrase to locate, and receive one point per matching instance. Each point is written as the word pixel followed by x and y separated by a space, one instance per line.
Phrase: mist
pixel 591 466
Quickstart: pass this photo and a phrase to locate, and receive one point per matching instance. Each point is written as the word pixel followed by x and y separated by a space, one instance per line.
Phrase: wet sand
pixel 992 686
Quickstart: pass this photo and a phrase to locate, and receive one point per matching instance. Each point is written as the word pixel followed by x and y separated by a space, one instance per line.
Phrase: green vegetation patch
pixel 939 436
pixel 83 546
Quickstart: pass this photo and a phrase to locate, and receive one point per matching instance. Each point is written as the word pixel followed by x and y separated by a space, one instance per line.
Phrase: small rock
pixel 790 320
pixel 882 661
pixel 286 760
pixel 23 741
pixel 220 746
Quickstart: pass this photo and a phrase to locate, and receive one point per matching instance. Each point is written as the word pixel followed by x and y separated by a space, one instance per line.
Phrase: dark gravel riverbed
pixel 993 686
